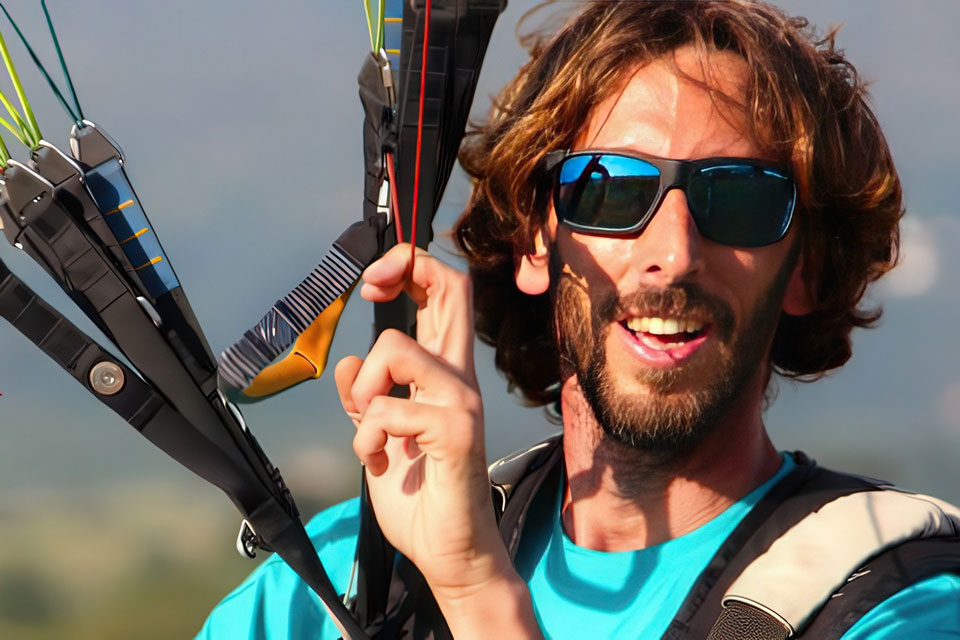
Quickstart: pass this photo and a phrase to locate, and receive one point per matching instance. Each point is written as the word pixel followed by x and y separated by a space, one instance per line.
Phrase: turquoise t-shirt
pixel 576 592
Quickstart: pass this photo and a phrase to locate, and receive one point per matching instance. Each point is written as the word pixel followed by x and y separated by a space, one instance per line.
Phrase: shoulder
pixel 273 603
pixel 927 609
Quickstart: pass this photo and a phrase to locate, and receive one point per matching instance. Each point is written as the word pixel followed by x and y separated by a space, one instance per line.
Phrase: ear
pixel 533 272
pixel 797 299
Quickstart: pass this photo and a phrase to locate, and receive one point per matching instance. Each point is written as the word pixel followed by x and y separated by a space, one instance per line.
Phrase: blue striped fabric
pixel 288 318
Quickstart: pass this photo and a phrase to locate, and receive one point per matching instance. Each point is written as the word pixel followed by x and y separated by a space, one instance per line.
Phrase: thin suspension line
pixel 63 62
pixel 41 68
pixel 416 170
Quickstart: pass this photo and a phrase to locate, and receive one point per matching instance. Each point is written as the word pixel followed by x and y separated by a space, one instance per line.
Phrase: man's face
pixel 667 331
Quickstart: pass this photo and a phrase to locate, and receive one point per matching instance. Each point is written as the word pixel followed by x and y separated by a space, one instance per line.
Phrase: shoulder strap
pixel 801 492
pixel 772 577
pixel 516 480
pixel 883 576
pixel 798 573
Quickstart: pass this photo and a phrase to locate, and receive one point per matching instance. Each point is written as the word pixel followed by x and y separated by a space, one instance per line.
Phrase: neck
pixel 618 498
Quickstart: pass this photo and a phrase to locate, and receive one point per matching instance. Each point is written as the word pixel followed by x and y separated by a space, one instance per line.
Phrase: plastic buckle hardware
pixel 247 541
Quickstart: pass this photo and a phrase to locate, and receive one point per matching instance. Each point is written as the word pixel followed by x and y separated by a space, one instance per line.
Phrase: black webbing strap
pixel 800 492
pixel 74 351
pixel 375 563
pixel 516 481
pixel 66 250
pixel 883 576
pixel 147 411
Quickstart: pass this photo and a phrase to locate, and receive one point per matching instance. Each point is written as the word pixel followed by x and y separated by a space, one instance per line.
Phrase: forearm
pixel 500 608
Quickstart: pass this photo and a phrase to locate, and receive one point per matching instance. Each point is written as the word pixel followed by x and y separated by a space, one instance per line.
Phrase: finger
pixel 445 316
pixel 440 432
pixel 345 374
pixel 444 298
pixel 397 359
pixel 443 295
pixel 389 275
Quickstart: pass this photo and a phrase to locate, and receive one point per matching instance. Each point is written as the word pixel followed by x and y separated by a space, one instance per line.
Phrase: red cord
pixel 392 175
pixel 416 170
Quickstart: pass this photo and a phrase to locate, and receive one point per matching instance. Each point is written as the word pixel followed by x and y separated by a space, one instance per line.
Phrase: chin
pixel 653 420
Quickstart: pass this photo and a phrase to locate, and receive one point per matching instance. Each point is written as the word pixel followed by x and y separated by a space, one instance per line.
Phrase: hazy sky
pixel 241 126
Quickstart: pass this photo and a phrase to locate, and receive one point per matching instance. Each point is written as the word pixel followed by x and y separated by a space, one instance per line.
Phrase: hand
pixel 424 456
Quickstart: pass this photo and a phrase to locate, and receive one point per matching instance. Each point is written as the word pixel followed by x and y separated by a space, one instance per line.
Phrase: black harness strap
pixel 516 481
pixel 802 491
pixel 268 505
pixel 883 576
pixel 74 351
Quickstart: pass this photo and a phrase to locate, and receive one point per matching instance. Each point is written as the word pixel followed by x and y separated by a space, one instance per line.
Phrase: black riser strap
pixel 138 404
pixel 74 351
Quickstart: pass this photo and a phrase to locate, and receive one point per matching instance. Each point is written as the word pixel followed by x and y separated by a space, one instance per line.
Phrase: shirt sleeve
pixel 929 609
pixel 273 603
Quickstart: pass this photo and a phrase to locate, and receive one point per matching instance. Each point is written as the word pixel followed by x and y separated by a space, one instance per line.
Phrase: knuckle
pixel 389 336
pixel 392 339
pixel 358 448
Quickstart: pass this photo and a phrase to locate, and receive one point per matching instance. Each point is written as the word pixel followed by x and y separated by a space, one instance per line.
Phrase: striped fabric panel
pixel 288 318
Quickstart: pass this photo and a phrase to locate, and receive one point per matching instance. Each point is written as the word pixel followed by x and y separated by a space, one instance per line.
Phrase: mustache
pixel 678 300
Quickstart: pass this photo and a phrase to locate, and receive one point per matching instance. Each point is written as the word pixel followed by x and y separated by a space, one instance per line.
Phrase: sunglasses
pixel 738 202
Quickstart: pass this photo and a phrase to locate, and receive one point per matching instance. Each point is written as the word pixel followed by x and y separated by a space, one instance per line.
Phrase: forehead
pixel 661 109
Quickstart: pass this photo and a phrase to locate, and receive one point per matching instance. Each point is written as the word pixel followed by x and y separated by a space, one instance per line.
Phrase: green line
pixel 24 134
pixel 36 61
pixel 63 62
pixel 380 29
pixel 4 153
pixel 14 131
pixel 376 38
pixel 366 10
pixel 34 128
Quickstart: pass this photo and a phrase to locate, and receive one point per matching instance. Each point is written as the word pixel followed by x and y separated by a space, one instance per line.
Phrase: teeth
pixel 663 326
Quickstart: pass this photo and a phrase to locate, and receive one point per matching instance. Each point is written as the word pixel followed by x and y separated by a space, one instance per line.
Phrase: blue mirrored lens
pixel 605 192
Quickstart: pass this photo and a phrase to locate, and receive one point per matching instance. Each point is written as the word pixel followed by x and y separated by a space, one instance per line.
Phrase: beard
pixel 683 404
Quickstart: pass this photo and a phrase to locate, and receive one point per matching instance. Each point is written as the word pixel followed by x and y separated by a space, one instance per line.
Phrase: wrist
pixel 498 608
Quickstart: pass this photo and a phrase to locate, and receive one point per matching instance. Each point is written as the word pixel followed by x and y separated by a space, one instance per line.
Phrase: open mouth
pixel 665 334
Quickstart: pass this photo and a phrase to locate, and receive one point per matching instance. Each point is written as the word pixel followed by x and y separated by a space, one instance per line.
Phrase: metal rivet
pixel 106 378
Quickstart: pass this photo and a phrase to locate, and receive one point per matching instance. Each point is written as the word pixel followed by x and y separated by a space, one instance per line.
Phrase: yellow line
pixel 151 263
pixel 123 205
pixel 393 19
pixel 136 235
pixel 395 52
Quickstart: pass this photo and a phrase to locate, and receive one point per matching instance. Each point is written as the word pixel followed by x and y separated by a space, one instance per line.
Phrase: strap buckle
pixel 247 541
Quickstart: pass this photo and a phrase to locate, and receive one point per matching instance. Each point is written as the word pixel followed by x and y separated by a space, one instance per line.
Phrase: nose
pixel 669 249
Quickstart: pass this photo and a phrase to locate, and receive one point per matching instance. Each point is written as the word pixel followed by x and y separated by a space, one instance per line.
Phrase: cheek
pixel 745 275
pixel 601 264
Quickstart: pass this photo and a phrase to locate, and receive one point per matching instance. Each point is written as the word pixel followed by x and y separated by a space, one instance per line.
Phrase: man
pixel 672 201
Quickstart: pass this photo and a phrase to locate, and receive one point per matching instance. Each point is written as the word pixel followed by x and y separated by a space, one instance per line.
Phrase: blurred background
pixel 241 126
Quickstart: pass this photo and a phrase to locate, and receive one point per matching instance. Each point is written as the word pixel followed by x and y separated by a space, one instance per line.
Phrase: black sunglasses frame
pixel 674 174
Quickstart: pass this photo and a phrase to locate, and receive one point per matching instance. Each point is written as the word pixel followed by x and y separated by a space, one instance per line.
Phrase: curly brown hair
pixel 804 105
